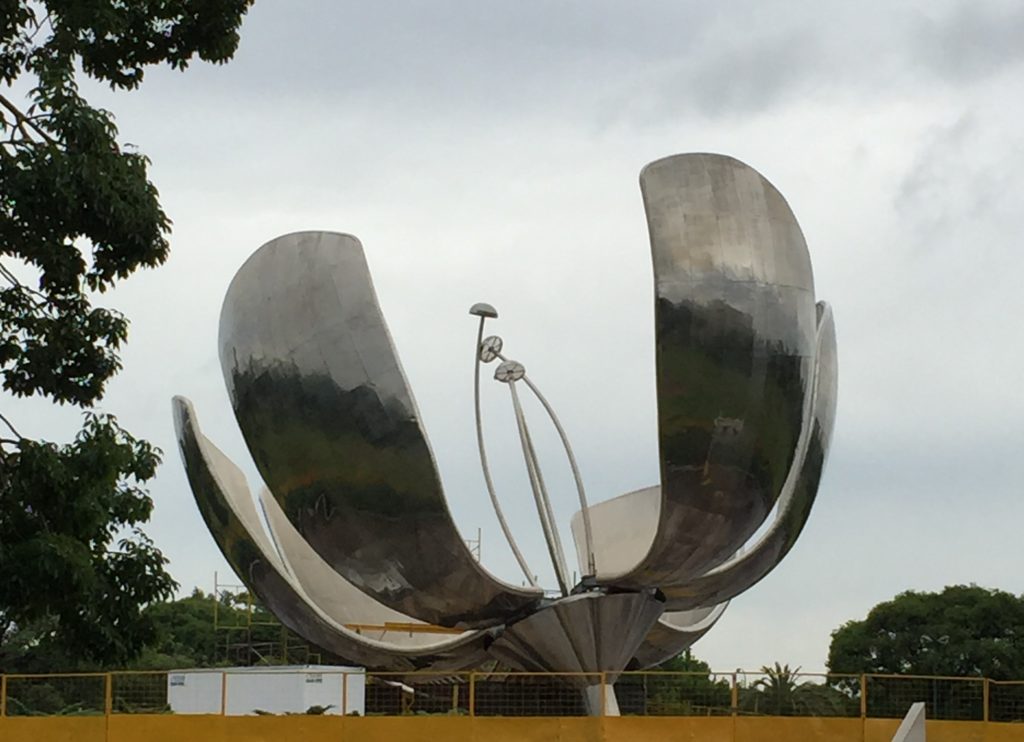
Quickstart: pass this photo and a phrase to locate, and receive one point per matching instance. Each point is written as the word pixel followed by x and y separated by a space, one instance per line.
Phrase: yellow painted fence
pixel 493 707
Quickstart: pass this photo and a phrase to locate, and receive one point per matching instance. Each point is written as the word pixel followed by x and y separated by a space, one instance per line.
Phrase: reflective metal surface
pixel 586 633
pixel 734 324
pixel 674 632
pixel 359 531
pixel 327 414
pixel 225 503
pixel 622 530
pixel 745 570
pixel 339 599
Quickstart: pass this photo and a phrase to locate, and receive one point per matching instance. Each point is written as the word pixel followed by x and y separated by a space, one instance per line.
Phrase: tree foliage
pixel 77 214
pixel 781 691
pixel 961 631
pixel 187 634
pixel 199 630
pixel 63 548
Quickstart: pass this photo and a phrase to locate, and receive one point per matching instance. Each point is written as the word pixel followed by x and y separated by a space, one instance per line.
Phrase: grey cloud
pixel 974 40
pixel 748 76
pixel 960 174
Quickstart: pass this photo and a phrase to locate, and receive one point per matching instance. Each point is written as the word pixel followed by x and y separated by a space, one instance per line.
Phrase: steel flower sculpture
pixel 360 547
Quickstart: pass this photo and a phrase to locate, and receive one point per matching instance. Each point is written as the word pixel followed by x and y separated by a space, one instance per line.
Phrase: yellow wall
pixel 170 728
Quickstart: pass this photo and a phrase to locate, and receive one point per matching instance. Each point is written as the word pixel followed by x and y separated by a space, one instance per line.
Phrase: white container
pixel 275 690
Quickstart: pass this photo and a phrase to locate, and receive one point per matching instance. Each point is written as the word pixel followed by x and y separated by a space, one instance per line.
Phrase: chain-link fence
pixel 532 694
pixel 947 699
pixel 397 694
pixel 1006 701
pixel 783 692
pixel 55 695
pixel 323 690
pixel 139 693
pixel 674 694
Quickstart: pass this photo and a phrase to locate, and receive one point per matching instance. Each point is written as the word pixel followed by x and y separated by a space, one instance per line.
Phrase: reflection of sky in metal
pixel 329 418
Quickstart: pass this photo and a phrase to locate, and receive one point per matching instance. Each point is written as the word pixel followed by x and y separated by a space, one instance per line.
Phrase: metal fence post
pixel 3 696
pixel 344 694
pixel 863 696
pixel 223 693
pixel 604 691
pixel 108 694
pixel 472 694
pixel 985 699
pixel 734 697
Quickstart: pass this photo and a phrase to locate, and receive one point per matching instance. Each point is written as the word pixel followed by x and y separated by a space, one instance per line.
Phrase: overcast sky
pixel 489 151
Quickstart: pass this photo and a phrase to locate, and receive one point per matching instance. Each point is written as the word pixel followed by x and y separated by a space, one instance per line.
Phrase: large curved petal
pixel 330 420
pixel 735 325
pixel 675 632
pixel 336 597
pixel 623 526
pixel 748 568
pixel 225 503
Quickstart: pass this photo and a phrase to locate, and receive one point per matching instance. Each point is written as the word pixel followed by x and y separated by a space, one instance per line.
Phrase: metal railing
pixel 321 690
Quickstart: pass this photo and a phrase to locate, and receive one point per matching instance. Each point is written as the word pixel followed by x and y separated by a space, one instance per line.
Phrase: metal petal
pixel 622 530
pixel 735 325
pixel 746 569
pixel 224 501
pixel 325 409
pixel 674 632
pixel 339 599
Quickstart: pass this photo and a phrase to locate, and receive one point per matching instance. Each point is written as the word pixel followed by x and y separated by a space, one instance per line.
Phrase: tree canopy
pixel 199 630
pixel 78 213
pixel 961 631
pixel 782 691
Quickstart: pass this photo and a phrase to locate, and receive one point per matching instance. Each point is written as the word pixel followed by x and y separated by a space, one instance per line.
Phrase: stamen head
pixel 490 347
pixel 481 309
pixel 510 371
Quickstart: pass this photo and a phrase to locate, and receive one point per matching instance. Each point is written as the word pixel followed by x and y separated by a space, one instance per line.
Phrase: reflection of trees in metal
pixel 746 397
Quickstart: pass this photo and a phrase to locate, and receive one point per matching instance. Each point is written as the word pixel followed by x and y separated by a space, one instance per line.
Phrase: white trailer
pixel 244 691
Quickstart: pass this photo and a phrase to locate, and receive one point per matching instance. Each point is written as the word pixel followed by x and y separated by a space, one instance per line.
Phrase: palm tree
pixel 779 693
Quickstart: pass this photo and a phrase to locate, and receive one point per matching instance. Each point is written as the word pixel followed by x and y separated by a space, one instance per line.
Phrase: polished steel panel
pixel 622 530
pixel 340 600
pixel 225 503
pixel 734 331
pixel 584 633
pixel 746 569
pixel 674 632
pixel 331 423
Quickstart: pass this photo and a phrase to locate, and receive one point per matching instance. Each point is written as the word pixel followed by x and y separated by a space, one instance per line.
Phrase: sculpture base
pixel 588 639
pixel 600 700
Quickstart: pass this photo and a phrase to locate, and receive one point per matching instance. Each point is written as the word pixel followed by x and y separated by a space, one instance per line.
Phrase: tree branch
pixel 22 120
pixel 9 425
pixel 6 273
pixel 39 26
